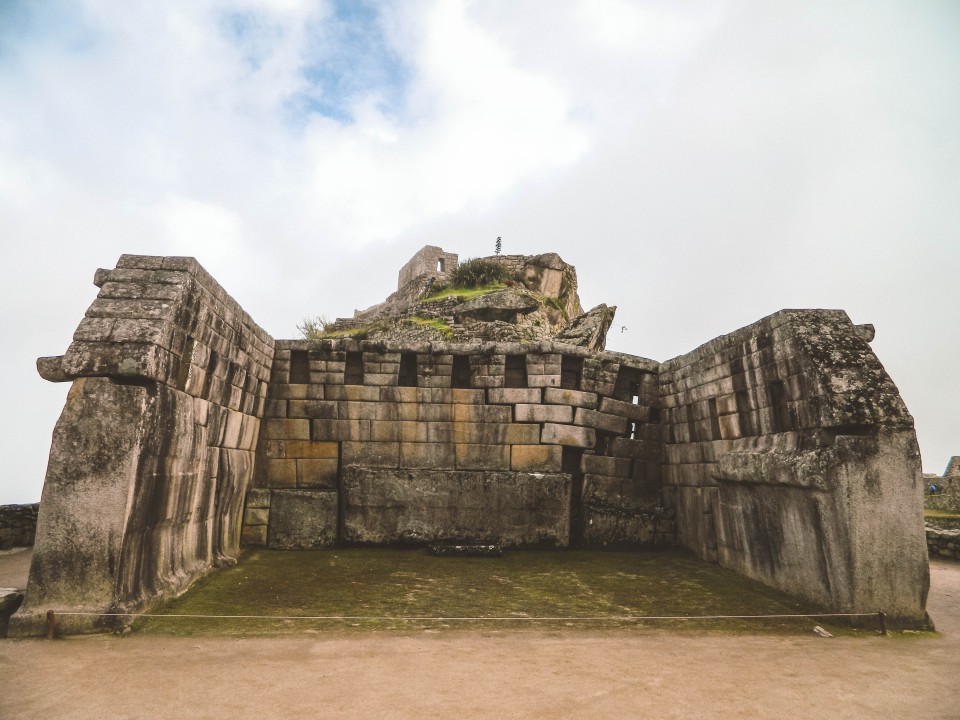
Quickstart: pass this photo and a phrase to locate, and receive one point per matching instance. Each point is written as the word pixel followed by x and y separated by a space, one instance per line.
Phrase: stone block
pixel 482 457
pixel 281 473
pixel 381 431
pixel 296 391
pixel 603 465
pixel 544 381
pixel 576 398
pixel 628 448
pixel 303 519
pixel 464 396
pixel 536 458
pixel 512 396
pixel 379 379
pixel 600 421
pixel 307 449
pixel 482 413
pixel 321 409
pixel 256 516
pixel 426 432
pixel 511 508
pixel 275 449
pixel 543 413
pixel 434 412
pixel 258 498
pixel 628 410
pixel 398 394
pixel 427 455
pixel 570 435
pixel 253 535
pixel 317 473
pixel 368 411
pixel 372 454
pixel 359 393
pixel 281 429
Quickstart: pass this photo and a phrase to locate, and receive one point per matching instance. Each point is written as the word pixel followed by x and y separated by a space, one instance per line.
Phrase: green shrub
pixel 479 271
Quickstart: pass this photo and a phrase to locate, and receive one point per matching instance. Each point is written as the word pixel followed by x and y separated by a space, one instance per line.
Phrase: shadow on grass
pixel 375 588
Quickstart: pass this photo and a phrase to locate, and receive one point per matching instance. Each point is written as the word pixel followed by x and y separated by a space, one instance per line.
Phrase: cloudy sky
pixel 703 164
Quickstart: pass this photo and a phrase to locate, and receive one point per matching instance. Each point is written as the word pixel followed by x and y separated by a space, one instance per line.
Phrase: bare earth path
pixel 518 674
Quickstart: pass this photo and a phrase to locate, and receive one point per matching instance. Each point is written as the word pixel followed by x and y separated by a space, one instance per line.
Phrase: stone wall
pixel 943 543
pixel 523 445
pixel 782 451
pixel 18 525
pixel 791 458
pixel 154 452
pixel 430 260
pixel 947 496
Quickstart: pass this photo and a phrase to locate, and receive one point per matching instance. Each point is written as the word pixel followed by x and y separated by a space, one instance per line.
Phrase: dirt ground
pixel 515 674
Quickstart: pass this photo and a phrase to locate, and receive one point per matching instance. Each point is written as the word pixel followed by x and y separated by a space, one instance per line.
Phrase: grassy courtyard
pixel 385 589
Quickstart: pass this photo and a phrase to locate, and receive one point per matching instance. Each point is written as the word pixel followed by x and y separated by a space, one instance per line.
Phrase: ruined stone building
pixel 782 450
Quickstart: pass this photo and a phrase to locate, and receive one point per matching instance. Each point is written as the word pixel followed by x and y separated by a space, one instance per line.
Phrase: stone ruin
pixel 782 450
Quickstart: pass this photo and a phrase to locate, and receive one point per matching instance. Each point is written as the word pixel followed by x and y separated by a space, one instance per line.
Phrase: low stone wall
pixel 943 543
pixel 18 525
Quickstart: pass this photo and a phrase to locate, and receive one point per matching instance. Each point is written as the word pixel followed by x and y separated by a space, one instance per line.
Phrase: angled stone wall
pixel 153 454
pixel 791 458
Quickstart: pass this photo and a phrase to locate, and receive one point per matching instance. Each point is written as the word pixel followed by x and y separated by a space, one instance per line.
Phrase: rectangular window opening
pixel 627 386
pixel 353 370
pixel 408 370
pixel 461 371
pixel 299 367
pixel 515 371
pixel 571 372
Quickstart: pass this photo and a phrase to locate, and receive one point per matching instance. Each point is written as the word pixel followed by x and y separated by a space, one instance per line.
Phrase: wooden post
pixel 51 625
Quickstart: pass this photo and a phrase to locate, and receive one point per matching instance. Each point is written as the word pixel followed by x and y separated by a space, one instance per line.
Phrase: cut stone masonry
pixel 782 450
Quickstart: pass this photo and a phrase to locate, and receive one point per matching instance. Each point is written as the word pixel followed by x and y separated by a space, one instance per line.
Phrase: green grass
pixel 465 293
pixel 379 584
pixel 944 514
pixel 435 323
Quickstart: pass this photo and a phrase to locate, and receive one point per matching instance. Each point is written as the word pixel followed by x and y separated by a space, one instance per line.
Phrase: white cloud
pixel 703 164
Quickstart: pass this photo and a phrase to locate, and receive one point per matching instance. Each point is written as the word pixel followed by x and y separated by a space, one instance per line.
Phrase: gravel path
pixel 520 674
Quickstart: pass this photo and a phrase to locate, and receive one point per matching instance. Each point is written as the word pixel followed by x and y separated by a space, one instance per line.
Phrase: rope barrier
pixel 420 618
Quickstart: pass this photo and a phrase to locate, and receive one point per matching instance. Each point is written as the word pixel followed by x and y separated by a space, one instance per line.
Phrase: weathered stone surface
pixel 571 435
pixel 782 450
pixel 302 519
pixel 512 509
pixel 590 329
pixel 18 525
pixel 536 458
pixel 574 398
pixel 543 413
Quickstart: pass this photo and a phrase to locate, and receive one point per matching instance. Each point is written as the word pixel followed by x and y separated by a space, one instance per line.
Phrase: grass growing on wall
pixel 408 582
pixel 464 293
pixel 435 323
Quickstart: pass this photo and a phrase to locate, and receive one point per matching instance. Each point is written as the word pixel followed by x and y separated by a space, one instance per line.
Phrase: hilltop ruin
pixel 782 450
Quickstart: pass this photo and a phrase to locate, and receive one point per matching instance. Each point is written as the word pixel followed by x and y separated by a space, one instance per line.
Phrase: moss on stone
pixel 360 583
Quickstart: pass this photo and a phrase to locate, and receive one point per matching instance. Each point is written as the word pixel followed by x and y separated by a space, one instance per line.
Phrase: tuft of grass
pixel 375 588
pixel 435 323
pixel 478 272
pixel 465 293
